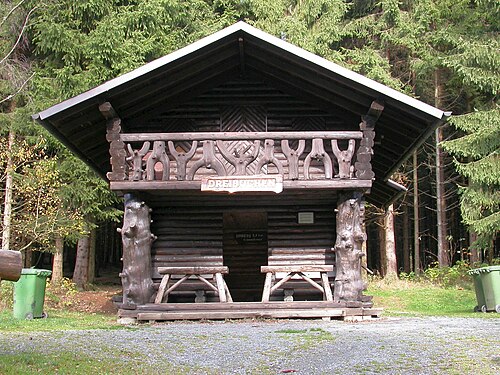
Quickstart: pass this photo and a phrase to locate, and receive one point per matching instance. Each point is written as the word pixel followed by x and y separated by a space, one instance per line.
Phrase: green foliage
pixel 477 157
pixel 81 44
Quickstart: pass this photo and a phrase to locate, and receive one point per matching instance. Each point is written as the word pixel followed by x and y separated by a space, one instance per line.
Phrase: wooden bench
pixel 270 286
pixel 220 287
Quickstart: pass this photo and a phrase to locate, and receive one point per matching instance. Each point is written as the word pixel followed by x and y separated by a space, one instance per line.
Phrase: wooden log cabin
pixel 244 163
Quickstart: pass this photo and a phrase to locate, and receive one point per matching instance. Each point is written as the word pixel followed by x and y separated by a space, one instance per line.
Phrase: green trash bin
pixel 491 287
pixel 29 293
pixel 487 287
pixel 478 288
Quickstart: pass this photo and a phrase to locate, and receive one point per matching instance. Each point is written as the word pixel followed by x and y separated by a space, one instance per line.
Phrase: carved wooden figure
pixel 137 239
pixel 239 158
pixel 136 160
pixel 318 153
pixel 182 158
pixel 293 157
pixel 269 158
pixel 348 248
pixel 209 161
pixel 158 156
pixel 344 157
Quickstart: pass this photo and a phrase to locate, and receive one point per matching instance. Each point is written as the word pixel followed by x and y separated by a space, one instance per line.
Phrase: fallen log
pixel 11 264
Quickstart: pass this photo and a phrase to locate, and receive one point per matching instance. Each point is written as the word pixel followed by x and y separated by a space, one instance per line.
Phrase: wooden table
pixel 298 270
pixel 220 287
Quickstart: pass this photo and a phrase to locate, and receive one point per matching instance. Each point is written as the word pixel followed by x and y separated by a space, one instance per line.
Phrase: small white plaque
pixel 233 184
pixel 306 217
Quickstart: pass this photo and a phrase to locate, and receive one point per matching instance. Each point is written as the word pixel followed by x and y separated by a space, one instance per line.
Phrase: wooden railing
pixel 297 156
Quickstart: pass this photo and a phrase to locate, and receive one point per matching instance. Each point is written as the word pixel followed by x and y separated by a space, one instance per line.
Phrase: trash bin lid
pixel 36 272
pixel 477 271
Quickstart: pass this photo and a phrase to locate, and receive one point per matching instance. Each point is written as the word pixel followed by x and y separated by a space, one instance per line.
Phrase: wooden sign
pixel 251 237
pixel 233 184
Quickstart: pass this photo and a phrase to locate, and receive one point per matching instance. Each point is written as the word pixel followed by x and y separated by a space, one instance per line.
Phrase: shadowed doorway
pixel 245 250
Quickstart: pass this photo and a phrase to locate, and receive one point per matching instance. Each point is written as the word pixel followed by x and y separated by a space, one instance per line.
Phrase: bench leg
pixel 267 287
pixel 220 287
pixel 326 286
pixel 161 289
pixel 228 293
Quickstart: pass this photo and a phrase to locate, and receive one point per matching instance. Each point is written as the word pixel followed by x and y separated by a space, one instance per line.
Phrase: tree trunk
pixel 406 240
pixel 80 275
pixel 443 251
pixel 416 217
pixel 9 183
pixel 475 256
pixel 137 238
pixel 348 284
pixel 92 247
pixel 57 262
pixel 381 243
pixel 391 266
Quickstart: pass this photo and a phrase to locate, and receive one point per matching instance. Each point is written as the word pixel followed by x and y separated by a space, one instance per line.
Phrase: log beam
pixel 11 265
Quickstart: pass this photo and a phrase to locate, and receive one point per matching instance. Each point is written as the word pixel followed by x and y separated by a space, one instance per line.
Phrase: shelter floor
pixel 250 310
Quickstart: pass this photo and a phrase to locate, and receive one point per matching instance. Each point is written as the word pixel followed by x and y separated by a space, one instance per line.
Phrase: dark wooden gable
pixel 244 67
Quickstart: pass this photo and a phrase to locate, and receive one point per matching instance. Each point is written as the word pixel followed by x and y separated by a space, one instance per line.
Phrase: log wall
pixel 202 235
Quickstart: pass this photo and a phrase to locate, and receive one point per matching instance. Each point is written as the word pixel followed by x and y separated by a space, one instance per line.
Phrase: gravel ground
pixel 384 346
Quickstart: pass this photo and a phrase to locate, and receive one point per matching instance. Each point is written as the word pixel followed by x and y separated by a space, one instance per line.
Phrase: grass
pixel 424 299
pixel 58 320
pixel 76 364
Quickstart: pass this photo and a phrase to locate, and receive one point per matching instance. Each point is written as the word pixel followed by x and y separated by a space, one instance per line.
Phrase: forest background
pixel 444 52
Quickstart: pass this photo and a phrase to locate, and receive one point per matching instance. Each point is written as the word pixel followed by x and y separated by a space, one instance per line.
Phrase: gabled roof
pixel 141 96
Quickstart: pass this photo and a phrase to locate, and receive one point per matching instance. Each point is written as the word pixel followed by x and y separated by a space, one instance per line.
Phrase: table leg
pixel 267 287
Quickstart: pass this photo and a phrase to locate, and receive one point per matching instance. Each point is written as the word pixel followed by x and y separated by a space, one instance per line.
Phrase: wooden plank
pixel 300 268
pixel 196 185
pixel 326 286
pixel 193 270
pixel 267 287
pixel 245 305
pixel 161 289
pixel 220 286
pixel 229 314
pixel 239 136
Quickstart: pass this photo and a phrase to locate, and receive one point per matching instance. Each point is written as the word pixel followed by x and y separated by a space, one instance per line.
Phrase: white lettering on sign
pixel 233 184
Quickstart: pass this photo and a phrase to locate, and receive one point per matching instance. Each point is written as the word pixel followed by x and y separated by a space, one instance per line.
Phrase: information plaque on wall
pixel 233 184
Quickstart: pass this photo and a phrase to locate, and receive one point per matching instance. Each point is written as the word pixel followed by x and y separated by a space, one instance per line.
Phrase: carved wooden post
pixel 364 154
pixel 136 160
pixel 318 153
pixel 348 284
pixel 344 158
pixel 239 158
pixel 293 157
pixel 269 158
pixel 137 239
pixel 182 158
pixel 209 161
pixel 117 149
